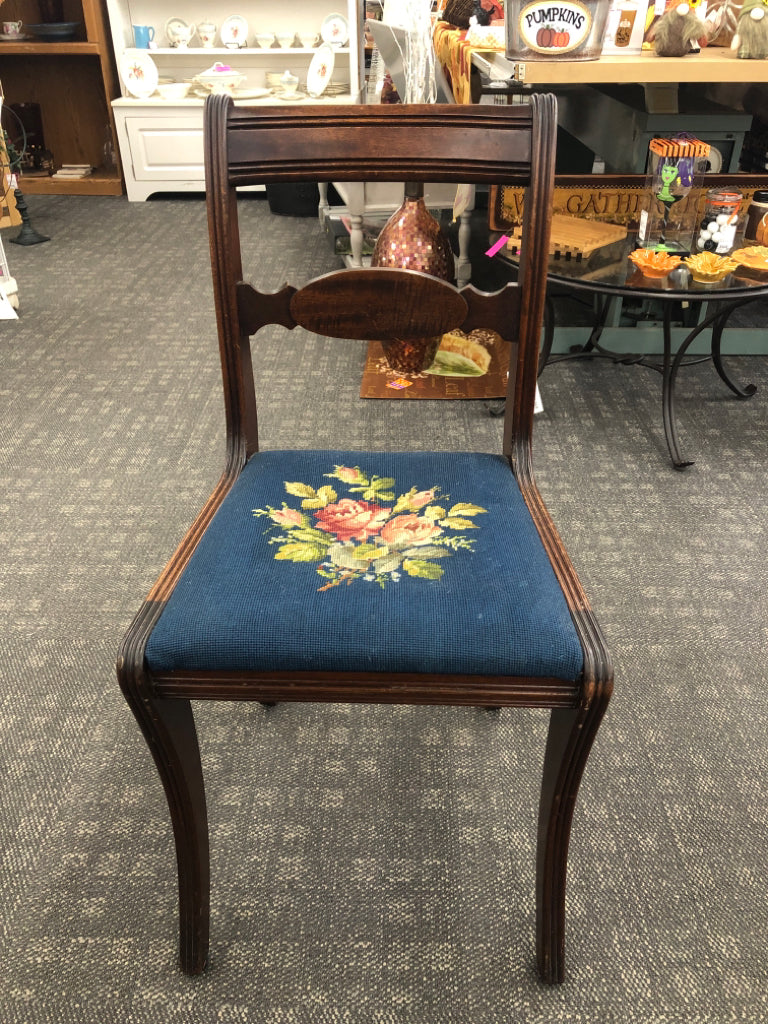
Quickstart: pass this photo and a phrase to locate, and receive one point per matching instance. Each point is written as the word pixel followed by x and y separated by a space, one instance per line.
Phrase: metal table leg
pixel 717 320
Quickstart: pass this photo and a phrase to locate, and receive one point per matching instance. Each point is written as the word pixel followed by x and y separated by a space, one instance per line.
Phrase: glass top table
pixel 608 273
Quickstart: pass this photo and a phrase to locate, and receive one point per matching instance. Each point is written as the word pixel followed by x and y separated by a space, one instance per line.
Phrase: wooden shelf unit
pixel 712 64
pixel 74 83
pixel 660 76
pixel 161 141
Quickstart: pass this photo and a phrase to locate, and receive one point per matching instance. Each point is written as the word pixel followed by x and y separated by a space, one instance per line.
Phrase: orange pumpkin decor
pixel 547 38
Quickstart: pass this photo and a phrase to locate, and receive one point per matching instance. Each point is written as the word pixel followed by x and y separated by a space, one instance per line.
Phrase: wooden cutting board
pixel 572 236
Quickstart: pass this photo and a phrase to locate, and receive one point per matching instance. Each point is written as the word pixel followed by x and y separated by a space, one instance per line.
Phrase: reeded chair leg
pixel 571 733
pixel 169 729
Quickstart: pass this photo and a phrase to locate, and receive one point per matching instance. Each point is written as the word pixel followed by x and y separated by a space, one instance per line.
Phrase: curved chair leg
pixel 169 729
pixel 571 733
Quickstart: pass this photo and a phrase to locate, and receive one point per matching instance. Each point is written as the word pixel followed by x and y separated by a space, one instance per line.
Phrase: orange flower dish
pixel 653 263
pixel 753 258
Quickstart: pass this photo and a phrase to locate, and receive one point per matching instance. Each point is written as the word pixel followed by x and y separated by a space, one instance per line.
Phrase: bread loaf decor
pixel 751 39
pixel 464 355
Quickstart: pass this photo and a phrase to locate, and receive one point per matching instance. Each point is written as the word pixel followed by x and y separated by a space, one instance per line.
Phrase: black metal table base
pixel 670 364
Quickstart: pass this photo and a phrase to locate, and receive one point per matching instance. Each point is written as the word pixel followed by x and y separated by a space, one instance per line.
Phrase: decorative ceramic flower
pixel 654 263
pixel 708 267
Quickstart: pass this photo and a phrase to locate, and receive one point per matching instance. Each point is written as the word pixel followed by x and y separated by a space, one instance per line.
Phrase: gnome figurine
pixel 751 38
pixel 679 30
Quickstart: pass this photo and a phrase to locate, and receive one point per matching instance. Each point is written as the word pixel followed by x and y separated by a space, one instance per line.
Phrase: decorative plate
pixel 14 39
pixel 234 32
pixel 175 30
pixel 320 70
pixel 139 74
pixel 755 257
pixel 295 97
pixel 334 30
pixel 250 94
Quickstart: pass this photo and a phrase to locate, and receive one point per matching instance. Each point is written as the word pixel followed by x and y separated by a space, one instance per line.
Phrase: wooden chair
pixel 385 577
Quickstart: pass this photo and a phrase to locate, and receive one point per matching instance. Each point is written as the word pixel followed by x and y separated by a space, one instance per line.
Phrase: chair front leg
pixel 571 734
pixel 169 729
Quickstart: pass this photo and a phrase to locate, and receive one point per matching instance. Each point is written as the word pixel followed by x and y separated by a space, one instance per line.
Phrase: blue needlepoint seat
pixel 349 561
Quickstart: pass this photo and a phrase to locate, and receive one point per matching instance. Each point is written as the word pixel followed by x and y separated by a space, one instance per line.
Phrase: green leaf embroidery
pixel 404 501
pixel 325 495
pixel 466 508
pixel 299 552
pixel 424 570
pixel 382 483
pixel 456 523
pixel 433 512
pixel 306 533
pixel 300 490
pixel 366 552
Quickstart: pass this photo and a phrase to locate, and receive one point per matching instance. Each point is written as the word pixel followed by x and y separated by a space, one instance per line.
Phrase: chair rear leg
pixel 169 729
pixel 571 734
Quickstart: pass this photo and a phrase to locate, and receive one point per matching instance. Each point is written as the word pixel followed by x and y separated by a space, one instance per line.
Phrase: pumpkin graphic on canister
pixel 548 29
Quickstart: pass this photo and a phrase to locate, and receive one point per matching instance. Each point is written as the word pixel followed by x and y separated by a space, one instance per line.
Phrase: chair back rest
pixel 501 145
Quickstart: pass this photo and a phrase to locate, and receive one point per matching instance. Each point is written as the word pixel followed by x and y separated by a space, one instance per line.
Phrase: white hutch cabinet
pixel 161 141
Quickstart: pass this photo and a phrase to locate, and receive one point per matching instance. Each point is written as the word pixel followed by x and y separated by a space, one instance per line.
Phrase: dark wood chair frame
pixel 483 144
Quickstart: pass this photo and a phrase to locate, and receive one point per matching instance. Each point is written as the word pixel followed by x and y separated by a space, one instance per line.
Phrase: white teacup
pixel 12 28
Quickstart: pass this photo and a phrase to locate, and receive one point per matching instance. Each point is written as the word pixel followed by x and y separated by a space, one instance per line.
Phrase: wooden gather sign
pixel 618 199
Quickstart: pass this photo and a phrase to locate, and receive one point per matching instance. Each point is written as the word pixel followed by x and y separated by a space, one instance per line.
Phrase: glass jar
pixel 717 228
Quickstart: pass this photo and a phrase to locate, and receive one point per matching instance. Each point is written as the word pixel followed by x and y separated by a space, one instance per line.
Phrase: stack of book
pixel 73 171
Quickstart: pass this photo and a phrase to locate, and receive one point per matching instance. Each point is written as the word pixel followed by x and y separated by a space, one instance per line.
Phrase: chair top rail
pixel 379 143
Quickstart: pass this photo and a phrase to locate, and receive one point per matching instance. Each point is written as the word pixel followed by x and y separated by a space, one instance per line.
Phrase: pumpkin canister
pixel 555 29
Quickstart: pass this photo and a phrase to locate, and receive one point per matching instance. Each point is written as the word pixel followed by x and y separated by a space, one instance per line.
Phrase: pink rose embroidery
pixel 286 516
pixel 403 531
pixel 422 498
pixel 351 520
pixel 349 476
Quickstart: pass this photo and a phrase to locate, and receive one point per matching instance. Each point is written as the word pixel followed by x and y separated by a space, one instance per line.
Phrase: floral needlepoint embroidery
pixel 372 534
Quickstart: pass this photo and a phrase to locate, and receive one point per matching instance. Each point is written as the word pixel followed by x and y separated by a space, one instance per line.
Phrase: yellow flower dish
pixel 709 268
pixel 653 263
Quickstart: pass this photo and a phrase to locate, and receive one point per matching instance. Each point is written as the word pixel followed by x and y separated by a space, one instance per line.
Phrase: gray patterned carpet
pixel 369 864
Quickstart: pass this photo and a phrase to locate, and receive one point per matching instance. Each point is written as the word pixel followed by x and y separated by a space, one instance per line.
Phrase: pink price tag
pixel 497 245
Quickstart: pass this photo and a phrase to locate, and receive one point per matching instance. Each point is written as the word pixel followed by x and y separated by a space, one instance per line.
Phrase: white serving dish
pixel 173 90
pixel 220 78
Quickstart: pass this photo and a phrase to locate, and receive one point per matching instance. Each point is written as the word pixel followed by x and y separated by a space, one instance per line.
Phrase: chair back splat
pixel 385 577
